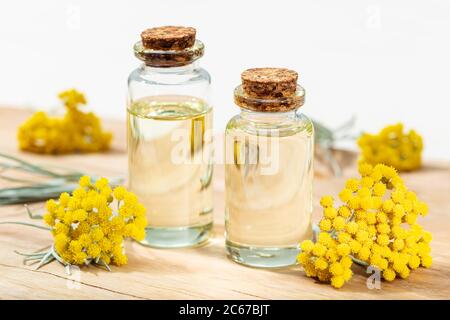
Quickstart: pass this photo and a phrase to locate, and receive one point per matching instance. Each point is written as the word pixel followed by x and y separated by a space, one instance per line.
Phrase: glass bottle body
pixel 268 178
pixel 169 123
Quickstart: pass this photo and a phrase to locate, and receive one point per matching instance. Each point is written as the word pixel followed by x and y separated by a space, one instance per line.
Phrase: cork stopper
pixel 168 38
pixel 269 90
pixel 269 82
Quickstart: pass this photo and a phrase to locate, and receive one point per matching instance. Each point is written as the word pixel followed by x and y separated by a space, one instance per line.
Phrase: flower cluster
pixel 85 227
pixel 376 224
pixel 76 131
pixel 392 147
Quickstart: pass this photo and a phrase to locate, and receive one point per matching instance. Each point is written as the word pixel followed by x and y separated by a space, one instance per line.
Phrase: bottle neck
pixel 273 117
pixel 177 69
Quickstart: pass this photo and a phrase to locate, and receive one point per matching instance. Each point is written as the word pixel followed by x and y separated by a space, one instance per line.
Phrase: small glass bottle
pixel 268 170
pixel 169 121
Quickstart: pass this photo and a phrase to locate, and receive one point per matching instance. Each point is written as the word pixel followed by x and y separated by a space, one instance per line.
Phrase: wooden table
pixel 206 272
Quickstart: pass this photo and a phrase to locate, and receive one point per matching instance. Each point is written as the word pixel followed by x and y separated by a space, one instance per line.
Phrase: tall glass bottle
pixel 169 122
pixel 268 170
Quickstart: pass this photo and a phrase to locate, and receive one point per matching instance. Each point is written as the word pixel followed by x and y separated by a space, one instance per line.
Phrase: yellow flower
pixel 106 258
pixel 398 244
pixel 367 182
pixel 120 259
pixel 352 184
pixel 323 238
pixel 325 225
pixel 388 206
pixel 379 189
pixel 347 275
pixel 330 212
pixel 85 181
pixel 60 228
pixel 79 193
pixel 321 264
pixel 96 234
pixel 94 250
pixel 85 240
pixel 364 253
pixel 105 244
pixel 130 199
pixel 141 222
pixel 383 239
pixel 319 249
pixel 389 274
pixel 368 225
pixel 49 219
pixel 326 201
pixel 75 246
pixel 336 269
pixel 79 257
pixel 393 147
pixel 101 183
pixel 72 97
pixel 364 192
pixel 426 261
pixel 427 237
pixel 354 202
pixel 346 262
pixel 76 131
pixel 344 237
pixel 345 195
pixel 86 227
pixel 51 206
pixel 365 169
pixel 355 246
pixel 119 192
pixel 79 215
pixel 343 249
pixel 307 246
pixel 414 262
pixel 337 281
pixel 61 242
pixel 140 211
pixel 344 211
pixel 339 223
pixel 332 255
pixel 303 257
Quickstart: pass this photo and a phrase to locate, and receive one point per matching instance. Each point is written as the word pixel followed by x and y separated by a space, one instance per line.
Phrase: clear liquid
pixel 170 160
pixel 268 186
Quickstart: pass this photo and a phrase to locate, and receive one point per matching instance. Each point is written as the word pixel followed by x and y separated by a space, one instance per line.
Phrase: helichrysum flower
pixel 393 147
pixel 76 131
pixel 376 224
pixel 86 229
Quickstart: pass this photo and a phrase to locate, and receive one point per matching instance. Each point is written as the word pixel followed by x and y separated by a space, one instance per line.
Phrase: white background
pixel 383 61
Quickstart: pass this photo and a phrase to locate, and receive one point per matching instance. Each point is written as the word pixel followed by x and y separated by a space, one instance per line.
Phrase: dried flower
pixel 33 182
pixel 392 147
pixel 87 230
pixel 375 225
pixel 77 131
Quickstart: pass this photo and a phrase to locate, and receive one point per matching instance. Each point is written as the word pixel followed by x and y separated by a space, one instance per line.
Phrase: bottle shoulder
pixel 169 76
pixel 298 123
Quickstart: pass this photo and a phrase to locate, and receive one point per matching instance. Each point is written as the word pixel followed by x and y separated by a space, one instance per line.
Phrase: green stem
pixel 30 254
pixel 31 166
pixel 30 214
pixel 358 261
pixel 57 257
pixel 45 260
pixel 26 224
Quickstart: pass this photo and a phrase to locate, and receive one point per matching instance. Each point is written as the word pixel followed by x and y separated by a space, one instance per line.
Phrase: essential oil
pixel 169 122
pixel 268 170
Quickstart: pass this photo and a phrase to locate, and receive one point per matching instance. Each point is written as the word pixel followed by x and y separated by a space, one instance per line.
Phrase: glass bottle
pixel 169 123
pixel 268 170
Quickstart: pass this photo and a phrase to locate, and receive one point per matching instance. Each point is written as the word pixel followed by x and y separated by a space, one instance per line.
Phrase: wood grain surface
pixel 204 272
